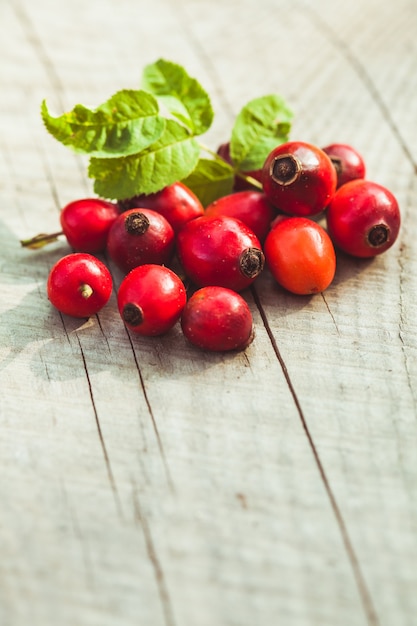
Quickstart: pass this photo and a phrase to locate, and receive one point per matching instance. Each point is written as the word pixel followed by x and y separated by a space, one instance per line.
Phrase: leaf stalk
pixel 246 177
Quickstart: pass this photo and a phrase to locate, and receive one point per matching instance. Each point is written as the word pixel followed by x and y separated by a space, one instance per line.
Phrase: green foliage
pixel 166 161
pixel 125 124
pixel 182 95
pixel 210 180
pixel 140 141
pixel 262 124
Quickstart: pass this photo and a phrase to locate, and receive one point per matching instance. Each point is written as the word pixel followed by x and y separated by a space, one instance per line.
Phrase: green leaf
pixel 182 95
pixel 168 160
pixel 125 124
pixel 262 124
pixel 210 180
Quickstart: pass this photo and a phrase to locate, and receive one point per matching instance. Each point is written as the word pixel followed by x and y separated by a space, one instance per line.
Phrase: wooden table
pixel 145 482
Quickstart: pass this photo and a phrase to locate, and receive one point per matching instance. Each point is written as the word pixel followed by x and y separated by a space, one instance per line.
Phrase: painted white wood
pixel 144 481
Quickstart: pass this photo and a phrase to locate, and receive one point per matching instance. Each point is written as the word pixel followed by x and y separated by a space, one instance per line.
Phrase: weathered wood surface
pixel 144 482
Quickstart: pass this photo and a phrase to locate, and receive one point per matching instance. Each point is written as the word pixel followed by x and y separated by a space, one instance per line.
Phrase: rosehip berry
pixel 176 202
pixel 139 237
pixel 252 207
pixel 299 179
pixel 239 184
pixel 363 219
pixel 347 161
pixel 300 255
pixel 220 250
pixel 217 319
pixel 86 223
pixel 151 299
pixel 79 285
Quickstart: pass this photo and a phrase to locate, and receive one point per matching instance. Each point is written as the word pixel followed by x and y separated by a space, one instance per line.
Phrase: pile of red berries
pixel 223 248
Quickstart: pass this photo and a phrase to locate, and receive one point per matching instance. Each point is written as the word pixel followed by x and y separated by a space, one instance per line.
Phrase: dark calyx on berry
pixel 132 314
pixel 378 235
pixel 285 169
pixel 136 224
pixel 251 262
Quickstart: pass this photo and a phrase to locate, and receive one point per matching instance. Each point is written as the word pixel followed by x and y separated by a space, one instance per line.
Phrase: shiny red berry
pixel 217 319
pixel 363 219
pixel 347 161
pixel 220 250
pixel 299 179
pixel 151 299
pixel 86 223
pixel 300 255
pixel 252 207
pixel 176 202
pixel 79 285
pixel 139 237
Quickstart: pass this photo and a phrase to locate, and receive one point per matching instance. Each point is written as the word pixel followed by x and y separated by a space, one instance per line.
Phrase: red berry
pixel 217 319
pixel 176 202
pixel 86 223
pixel 299 178
pixel 239 184
pixel 252 207
pixel 139 237
pixel 347 161
pixel 79 284
pixel 220 250
pixel 151 299
pixel 300 255
pixel 363 219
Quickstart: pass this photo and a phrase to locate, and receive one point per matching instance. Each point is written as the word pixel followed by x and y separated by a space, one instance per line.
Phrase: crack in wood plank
pixel 152 416
pixel 141 520
pixel 61 316
pixel 330 312
pixel 101 437
pixel 103 333
pixel 362 587
pixel 402 324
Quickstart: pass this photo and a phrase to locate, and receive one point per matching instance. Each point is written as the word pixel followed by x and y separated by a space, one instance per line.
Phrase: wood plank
pixel 144 481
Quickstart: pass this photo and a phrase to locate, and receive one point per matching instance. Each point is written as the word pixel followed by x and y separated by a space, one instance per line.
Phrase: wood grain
pixel 144 481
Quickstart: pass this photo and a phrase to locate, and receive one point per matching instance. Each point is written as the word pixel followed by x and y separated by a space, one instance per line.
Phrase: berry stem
pixel 86 291
pixel 41 240
pixel 249 179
